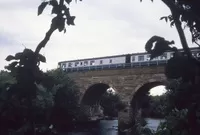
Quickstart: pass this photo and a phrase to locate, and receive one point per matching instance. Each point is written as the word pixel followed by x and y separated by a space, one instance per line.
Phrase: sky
pixel 158 90
pixel 103 28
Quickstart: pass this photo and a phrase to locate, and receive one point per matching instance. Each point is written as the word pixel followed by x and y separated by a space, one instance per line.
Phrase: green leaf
pixel 161 46
pixel 9 58
pixel 70 20
pixel 164 17
pixel 27 51
pixel 11 66
pixel 41 58
pixel 66 11
pixel 61 24
pixel 41 7
pixel 53 3
pixel 68 1
pixel 18 55
pixel 55 8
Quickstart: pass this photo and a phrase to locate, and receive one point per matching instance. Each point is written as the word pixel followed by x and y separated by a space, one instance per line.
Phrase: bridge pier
pixel 125 119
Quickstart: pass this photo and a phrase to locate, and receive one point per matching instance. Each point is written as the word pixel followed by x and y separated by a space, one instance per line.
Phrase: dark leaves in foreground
pixel 10 57
pixel 161 46
pixel 42 7
pixel 61 10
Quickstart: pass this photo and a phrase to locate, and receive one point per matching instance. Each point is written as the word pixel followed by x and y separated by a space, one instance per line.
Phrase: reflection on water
pixel 104 127
pixel 110 127
pixel 153 123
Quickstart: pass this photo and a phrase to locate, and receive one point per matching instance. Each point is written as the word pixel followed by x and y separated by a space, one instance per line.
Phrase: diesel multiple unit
pixel 117 61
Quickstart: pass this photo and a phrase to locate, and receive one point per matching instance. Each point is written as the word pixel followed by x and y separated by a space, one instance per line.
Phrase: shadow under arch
pixel 93 94
pixel 141 92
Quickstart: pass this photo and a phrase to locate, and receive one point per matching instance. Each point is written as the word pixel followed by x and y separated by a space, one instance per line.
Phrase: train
pixel 120 61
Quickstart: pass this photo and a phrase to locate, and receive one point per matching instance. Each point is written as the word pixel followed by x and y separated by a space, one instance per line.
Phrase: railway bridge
pixel 125 81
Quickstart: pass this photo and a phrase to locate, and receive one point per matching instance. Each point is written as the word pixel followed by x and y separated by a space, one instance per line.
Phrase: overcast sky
pixel 103 28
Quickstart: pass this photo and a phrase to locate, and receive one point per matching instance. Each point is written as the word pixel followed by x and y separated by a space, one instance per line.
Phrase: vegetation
pixel 56 104
pixel 156 107
pixel 183 70
pixel 111 104
pixel 32 99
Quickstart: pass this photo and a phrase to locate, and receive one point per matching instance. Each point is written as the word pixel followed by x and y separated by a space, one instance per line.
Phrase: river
pixel 110 127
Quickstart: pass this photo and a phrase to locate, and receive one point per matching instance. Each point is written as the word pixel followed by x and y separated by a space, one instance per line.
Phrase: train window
pixel 76 64
pixel 63 65
pixel 156 58
pixel 198 54
pixel 164 56
pixel 69 64
pixel 81 63
pixel 141 58
pixel 85 63
pixel 171 55
pixel 148 57
pixel 133 58
pixel 110 60
pixel 101 61
pixel 92 62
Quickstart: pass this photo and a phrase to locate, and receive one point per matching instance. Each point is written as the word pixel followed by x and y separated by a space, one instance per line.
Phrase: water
pixel 153 123
pixel 110 127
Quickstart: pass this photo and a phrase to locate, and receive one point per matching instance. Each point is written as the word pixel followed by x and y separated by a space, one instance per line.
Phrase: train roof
pixel 113 56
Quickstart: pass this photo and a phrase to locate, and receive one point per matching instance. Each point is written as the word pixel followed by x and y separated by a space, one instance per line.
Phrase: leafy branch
pixel 62 16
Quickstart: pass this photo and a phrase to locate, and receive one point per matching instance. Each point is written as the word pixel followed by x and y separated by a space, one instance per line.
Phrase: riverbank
pixel 106 127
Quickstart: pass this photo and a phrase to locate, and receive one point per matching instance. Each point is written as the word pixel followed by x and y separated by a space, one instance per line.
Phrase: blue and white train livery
pixel 119 61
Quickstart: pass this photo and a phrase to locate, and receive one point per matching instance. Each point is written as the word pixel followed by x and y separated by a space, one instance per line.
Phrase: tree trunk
pixel 175 16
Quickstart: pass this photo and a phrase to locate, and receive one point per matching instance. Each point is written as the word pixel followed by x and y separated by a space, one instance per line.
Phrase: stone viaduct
pixel 124 81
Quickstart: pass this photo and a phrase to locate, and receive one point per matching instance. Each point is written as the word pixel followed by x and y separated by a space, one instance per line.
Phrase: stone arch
pixel 137 97
pixel 142 89
pixel 93 94
pixel 146 86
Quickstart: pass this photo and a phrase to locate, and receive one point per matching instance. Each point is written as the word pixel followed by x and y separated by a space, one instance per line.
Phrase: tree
pixel 156 108
pixel 182 71
pixel 111 104
pixel 183 11
pixel 25 68
pixel 6 79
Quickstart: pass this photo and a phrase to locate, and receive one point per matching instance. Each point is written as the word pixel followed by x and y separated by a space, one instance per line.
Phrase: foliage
pixel 187 12
pixel 6 79
pixel 184 12
pixel 176 123
pixel 56 105
pixel 111 104
pixel 139 127
pixel 29 101
pixel 183 71
pixel 161 45
pixel 62 12
pixel 156 108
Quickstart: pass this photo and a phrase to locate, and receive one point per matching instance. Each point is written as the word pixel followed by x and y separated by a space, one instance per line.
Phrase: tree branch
pixel 45 40
pixel 174 11
pixel 49 33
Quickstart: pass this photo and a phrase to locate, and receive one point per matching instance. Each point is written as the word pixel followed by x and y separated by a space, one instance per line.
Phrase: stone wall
pixel 125 81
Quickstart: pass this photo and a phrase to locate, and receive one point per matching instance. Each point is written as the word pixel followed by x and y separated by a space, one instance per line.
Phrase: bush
pixel 111 104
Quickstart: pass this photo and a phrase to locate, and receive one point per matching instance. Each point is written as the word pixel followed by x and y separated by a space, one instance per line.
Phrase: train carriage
pixel 120 61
